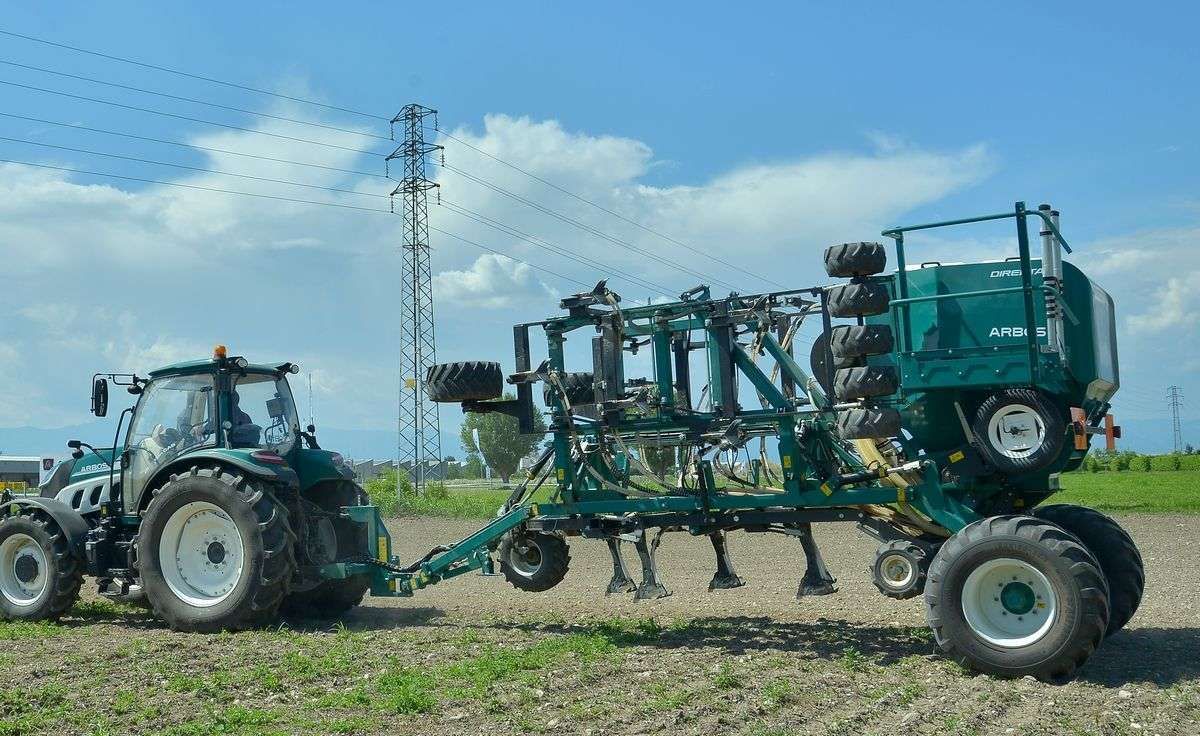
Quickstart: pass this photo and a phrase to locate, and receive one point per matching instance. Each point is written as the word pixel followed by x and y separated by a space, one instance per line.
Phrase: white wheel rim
pixel 23 570
pixel 201 554
pixel 525 557
pixel 1016 431
pixel 1009 602
pixel 897 571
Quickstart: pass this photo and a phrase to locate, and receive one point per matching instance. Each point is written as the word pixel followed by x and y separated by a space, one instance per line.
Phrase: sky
pixel 757 138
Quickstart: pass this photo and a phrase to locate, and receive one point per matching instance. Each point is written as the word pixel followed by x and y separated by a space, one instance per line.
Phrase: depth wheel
pixel 1113 548
pixel 215 552
pixel 534 562
pixel 1014 596
pixel 39 573
pixel 901 567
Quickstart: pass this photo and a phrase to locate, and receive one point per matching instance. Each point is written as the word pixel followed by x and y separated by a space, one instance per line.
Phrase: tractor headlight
pixel 294 369
pixel 240 362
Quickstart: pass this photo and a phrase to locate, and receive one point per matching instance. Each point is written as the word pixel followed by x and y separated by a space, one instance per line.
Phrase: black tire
pixel 855 341
pixel 857 300
pixel 41 574
pixel 901 567
pixel 855 259
pixel 1067 633
pixel 578 387
pixel 869 423
pixel 535 561
pixel 1113 548
pixel 264 533
pixel 816 360
pixel 473 380
pixel 331 599
pixel 1029 408
pixel 865 382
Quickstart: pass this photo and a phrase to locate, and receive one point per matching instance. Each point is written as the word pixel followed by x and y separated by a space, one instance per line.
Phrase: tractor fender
pixel 71 522
pixel 278 474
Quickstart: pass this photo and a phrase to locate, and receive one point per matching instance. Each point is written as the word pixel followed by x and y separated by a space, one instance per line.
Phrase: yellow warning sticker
pixel 383 549
pixel 956 456
pixel 787 461
pixel 826 489
pixel 901 495
pixel 562 474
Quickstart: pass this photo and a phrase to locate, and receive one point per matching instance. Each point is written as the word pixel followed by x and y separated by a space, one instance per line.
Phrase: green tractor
pixel 217 512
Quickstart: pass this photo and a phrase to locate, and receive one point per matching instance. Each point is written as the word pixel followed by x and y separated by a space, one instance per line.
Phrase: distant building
pixel 19 473
pixel 365 470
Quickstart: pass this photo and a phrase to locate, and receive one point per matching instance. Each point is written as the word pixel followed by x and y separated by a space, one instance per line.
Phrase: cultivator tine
pixel 816 580
pixel 651 587
pixel 621 581
pixel 725 577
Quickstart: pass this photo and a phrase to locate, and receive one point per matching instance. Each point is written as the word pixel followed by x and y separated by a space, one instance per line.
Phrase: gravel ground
pixel 474 656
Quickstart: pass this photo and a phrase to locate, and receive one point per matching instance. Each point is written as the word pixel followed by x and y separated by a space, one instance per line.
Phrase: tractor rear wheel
pixel 472 380
pixel 857 300
pixel 332 598
pixel 1113 548
pixel 215 551
pixel 534 562
pixel 1014 596
pixel 855 259
pixel 40 574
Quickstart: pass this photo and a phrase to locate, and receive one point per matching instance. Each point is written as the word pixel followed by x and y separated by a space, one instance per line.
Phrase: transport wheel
pixel 865 382
pixel 215 552
pixel 868 423
pixel 534 561
pixel 39 573
pixel 816 359
pixel 901 567
pixel 857 300
pixel 1113 548
pixel 1019 431
pixel 855 341
pixel 578 387
pixel 1014 596
pixel 855 259
pixel 473 380
pixel 336 539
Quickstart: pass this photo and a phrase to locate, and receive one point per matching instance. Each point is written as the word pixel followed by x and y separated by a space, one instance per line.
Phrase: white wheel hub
pixel 1009 602
pixel 897 571
pixel 23 570
pixel 525 557
pixel 201 554
pixel 1016 431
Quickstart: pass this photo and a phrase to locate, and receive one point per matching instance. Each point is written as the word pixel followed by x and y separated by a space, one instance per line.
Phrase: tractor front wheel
pixel 39 573
pixel 215 551
pixel 534 562
pixel 1014 596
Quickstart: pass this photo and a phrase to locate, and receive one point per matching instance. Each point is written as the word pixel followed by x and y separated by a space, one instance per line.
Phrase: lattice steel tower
pixel 1174 402
pixel 419 427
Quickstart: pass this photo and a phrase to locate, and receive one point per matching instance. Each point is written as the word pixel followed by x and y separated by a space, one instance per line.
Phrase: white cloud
pixel 492 281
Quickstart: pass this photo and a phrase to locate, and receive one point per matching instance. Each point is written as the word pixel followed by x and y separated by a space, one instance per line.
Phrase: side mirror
pixel 100 397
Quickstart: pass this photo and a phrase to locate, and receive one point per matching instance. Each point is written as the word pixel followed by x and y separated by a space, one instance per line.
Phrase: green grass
pixel 1133 490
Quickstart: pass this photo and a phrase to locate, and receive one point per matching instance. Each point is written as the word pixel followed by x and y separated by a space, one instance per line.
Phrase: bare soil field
pixel 475 656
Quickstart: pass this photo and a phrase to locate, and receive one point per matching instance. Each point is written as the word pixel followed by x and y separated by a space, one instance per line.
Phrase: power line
pixel 292 200
pixel 194 101
pixel 584 226
pixel 535 240
pixel 194 168
pixel 189 75
pixel 194 146
pixel 186 117
pixel 615 214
